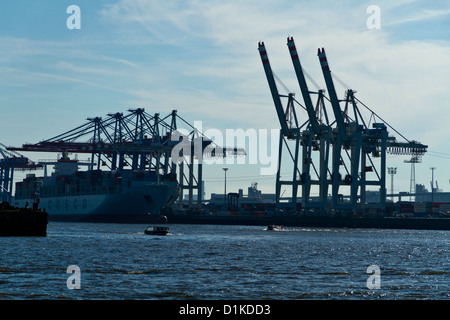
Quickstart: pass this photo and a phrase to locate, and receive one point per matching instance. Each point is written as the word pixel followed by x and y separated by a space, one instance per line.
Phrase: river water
pixel 211 262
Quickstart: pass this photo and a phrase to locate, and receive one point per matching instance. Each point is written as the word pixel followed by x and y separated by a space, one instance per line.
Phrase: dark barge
pixel 22 221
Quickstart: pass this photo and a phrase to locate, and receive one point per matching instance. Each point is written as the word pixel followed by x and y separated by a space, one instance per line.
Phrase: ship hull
pixel 139 204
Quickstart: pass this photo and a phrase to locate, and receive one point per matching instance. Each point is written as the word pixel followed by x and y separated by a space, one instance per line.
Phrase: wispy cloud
pixel 418 14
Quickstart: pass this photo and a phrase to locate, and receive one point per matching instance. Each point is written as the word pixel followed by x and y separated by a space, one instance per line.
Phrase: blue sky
pixel 201 58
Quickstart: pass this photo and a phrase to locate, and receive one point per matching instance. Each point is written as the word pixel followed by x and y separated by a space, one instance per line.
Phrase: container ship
pixel 70 194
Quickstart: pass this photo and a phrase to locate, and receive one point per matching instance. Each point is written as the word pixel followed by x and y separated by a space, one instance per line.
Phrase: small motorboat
pixel 274 227
pixel 157 230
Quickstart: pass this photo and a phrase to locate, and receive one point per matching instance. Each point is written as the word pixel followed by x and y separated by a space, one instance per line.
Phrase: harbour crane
pixel 316 137
pixel 364 143
pixel 140 141
pixel 289 131
pixel 10 161
pixel 349 137
pixel 352 141
pixel 308 138
pixel 281 113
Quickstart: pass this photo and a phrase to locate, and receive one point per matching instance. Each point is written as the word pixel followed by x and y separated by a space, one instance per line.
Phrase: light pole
pixel 392 172
pixel 432 186
pixel 225 190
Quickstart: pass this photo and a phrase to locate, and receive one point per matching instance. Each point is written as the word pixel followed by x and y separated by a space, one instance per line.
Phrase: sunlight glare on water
pixel 118 261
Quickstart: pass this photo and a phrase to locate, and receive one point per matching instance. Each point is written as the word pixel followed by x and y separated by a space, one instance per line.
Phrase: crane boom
pixel 333 96
pixel 273 89
pixel 303 86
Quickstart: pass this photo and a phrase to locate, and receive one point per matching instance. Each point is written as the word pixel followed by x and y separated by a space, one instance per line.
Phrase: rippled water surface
pixel 118 261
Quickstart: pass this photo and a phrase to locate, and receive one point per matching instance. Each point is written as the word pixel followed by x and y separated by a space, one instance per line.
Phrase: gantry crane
pixel 139 141
pixel 348 137
pixel 316 137
pixel 364 143
pixel 288 131
pixel 352 142
pixel 312 136
pixel 10 161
